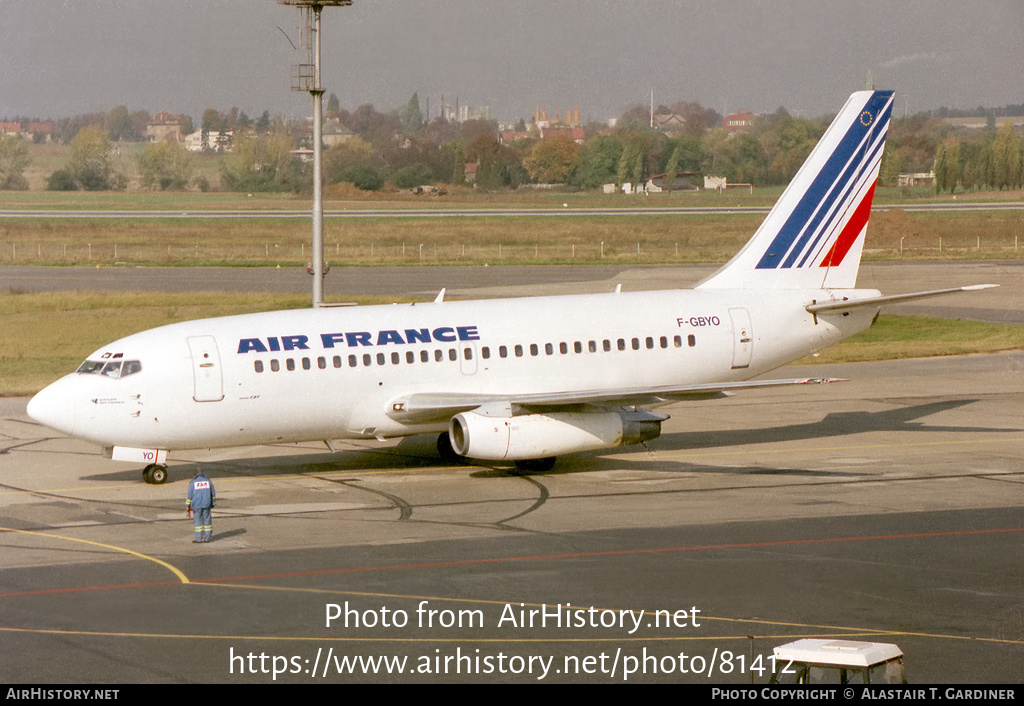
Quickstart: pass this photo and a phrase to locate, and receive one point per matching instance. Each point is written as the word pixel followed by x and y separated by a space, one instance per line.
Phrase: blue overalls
pixel 201 497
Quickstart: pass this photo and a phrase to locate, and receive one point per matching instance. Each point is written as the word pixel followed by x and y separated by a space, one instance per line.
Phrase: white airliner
pixel 519 380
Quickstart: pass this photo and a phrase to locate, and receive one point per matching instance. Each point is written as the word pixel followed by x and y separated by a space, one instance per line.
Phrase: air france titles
pixel 357 339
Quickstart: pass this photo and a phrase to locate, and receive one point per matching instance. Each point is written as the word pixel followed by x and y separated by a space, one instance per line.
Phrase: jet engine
pixel 532 436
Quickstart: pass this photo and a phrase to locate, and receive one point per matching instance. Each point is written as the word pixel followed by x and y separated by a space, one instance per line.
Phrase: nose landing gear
pixel 155 474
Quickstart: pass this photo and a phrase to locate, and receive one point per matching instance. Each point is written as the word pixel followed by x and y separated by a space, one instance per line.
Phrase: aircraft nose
pixel 53 408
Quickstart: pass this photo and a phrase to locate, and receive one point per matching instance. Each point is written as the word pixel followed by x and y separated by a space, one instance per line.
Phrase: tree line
pixel 993 160
pixel 401 149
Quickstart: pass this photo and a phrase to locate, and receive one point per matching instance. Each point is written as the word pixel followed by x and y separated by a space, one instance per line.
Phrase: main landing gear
pixel 446 451
pixel 155 474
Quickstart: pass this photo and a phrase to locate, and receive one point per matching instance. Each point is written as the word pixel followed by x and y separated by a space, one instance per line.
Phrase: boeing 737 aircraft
pixel 520 380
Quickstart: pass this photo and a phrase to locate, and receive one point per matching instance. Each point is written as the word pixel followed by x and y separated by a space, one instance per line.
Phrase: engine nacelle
pixel 533 436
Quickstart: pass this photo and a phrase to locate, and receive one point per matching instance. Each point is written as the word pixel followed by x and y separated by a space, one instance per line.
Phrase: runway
pixel 886 508
pixel 463 212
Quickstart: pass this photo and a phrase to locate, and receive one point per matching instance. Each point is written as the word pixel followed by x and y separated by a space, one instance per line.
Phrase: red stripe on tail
pixel 853 228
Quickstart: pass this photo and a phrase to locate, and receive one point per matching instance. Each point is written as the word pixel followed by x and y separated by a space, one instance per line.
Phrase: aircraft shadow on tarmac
pixel 902 419
pixel 418 452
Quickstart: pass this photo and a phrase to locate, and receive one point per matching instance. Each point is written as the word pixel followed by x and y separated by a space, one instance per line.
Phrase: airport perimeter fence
pixel 105 254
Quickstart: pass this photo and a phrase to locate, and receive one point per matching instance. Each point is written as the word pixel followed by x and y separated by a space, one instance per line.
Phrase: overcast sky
pixel 63 57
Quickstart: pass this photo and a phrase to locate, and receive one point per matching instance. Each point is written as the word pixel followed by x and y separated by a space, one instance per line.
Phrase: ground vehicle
pixel 838 662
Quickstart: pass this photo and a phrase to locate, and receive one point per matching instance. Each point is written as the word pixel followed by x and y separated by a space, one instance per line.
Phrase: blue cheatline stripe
pixel 822 192
pixel 848 202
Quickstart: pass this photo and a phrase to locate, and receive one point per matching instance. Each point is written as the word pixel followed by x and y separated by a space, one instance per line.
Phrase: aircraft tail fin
pixel 814 235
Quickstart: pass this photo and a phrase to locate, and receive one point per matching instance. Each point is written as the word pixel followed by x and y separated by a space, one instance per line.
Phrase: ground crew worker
pixel 200 498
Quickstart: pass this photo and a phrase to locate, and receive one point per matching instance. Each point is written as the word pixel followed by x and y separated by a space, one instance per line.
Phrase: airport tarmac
pixel 885 508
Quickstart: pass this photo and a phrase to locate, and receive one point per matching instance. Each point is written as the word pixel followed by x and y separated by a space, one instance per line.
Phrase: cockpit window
pixel 113 369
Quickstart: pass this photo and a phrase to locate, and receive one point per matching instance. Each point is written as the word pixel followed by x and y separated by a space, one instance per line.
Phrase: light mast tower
pixel 306 77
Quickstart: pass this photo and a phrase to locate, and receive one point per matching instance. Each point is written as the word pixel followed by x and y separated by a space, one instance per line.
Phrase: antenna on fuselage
pixel 306 77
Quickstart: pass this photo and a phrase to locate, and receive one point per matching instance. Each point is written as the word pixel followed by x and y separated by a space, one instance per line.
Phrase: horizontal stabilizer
pixel 844 304
pixel 426 407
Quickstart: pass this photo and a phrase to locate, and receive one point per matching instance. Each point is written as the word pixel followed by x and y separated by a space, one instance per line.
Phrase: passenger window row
pixel 452 354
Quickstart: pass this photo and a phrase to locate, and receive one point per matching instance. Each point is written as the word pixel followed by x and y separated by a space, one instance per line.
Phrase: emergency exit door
pixel 742 338
pixel 209 382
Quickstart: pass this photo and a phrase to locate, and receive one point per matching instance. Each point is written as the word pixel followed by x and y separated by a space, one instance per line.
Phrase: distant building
pixel 669 123
pixel 575 134
pixel 164 126
pixel 571 119
pixel 334 133
pixel 717 183
pixel 212 140
pixel 916 179
pixel 41 131
pixel 683 181
pixel 981 123
pixel 507 137
pixel 739 122
pixel 10 129
pixel 462 113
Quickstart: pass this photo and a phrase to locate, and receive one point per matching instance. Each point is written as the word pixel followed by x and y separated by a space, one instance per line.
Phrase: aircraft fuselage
pixel 336 373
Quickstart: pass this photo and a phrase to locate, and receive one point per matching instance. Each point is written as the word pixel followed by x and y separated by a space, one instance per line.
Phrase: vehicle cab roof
pixel 839 652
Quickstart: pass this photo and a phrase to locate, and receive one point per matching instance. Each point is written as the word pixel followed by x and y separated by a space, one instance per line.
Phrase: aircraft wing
pixel 437 406
pixel 844 304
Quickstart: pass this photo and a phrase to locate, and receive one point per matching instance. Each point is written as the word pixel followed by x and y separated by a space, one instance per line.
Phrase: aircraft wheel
pixel 535 465
pixel 446 451
pixel 155 474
